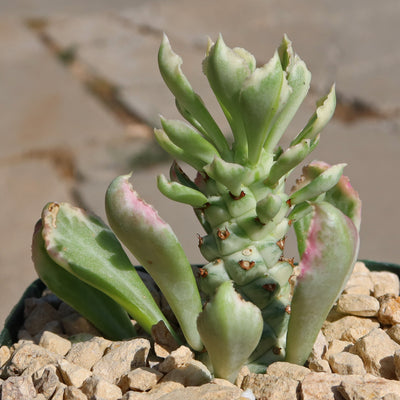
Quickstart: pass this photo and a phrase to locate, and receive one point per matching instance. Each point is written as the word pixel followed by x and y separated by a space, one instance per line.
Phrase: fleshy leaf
pixel 178 192
pixel 230 329
pixel 319 185
pixel 326 264
pixel 84 246
pixel 170 68
pixel 152 241
pixel 325 109
pixel 103 312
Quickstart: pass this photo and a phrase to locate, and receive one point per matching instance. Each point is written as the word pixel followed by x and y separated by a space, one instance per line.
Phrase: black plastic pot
pixel 15 319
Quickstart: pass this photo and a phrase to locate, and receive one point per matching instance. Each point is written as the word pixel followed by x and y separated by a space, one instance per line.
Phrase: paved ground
pixel 80 90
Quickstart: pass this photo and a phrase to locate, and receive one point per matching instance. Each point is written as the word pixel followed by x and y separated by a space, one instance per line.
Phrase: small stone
pixel 52 326
pixel 389 312
pixel 208 391
pixel 346 364
pixel 194 373
pixel 353 334
pixel 5 355
pixel 54 343
pixel 377 352
pixel 59 392
pixel 87 353
pixel 394 333
pixel 39 316
pixel 18 388
pixel 73 375
pixel 140 379
pixel 28 358
pixel 46 380
pixel 73 393
pixel 320 386
pixel 270 387
pixel 336 329
pixel 360 281
pixel 120 358
pixel 164 341
pixel 96 387
pixel 396 360
pixel 162 388
pixel 65 309
pixel 75 323
pixel 292 371
pixel 177 359
pixel 337 346
pixel 319 365
pixel 358 304
pixel 385 283
pixel 243 375
pixel 131 395
pixel 368 387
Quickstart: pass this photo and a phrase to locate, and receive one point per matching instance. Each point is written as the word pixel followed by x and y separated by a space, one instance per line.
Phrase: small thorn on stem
pixel 277 350
pixel 241 195
pixel 281 243
pixel 246 265
pixel 258 220
pixel 201 240
pixel 289 202
pixel 269 287
pixel 223 234
pixel 288 309
pixel 203 272
pixel 288 260
pixel 290 222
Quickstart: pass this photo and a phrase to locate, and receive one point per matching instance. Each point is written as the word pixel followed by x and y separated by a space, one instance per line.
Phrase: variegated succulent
pixel 247 306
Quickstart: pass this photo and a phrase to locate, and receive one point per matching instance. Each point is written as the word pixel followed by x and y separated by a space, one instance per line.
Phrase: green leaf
pixel 152 241
pixel 325 109
pixel 326 264
pixel 230 329
pixel 103 312
pixel 170 68
pixel 85 247
pixel 178 192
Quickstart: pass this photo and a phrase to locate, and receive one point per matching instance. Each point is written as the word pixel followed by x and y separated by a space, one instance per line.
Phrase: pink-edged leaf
pixel 326 264
pixel 342 195
pixel 153 242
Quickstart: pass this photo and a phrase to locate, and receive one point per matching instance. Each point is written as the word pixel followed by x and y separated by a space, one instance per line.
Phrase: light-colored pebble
pixel 28 358
pixel 140 379
pixel 73 393
pixel 359 305
pixel 265 387
pixel 377 350
pixel 120 358
pixel 46 380
pixel 59 392
pixel 86 353
pixel 5 355
pixel 394 333
pixel 368 387
pixel 336 329
pixel 194 373
pixel 337 346
pixel 389 312
pixel 385 283
pixel 292 371
pixel 396 360
pixel 346 364
pixel 319 366
pixel 177 359
pixel 73 375
pixel 162 388
pixel 54 343
pixel 97 387
pixel 18 387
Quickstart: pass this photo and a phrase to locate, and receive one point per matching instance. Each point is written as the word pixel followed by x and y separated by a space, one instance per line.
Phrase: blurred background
pixel 80 93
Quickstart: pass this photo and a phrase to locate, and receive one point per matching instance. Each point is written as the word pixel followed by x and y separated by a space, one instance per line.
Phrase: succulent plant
pixel 247 305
